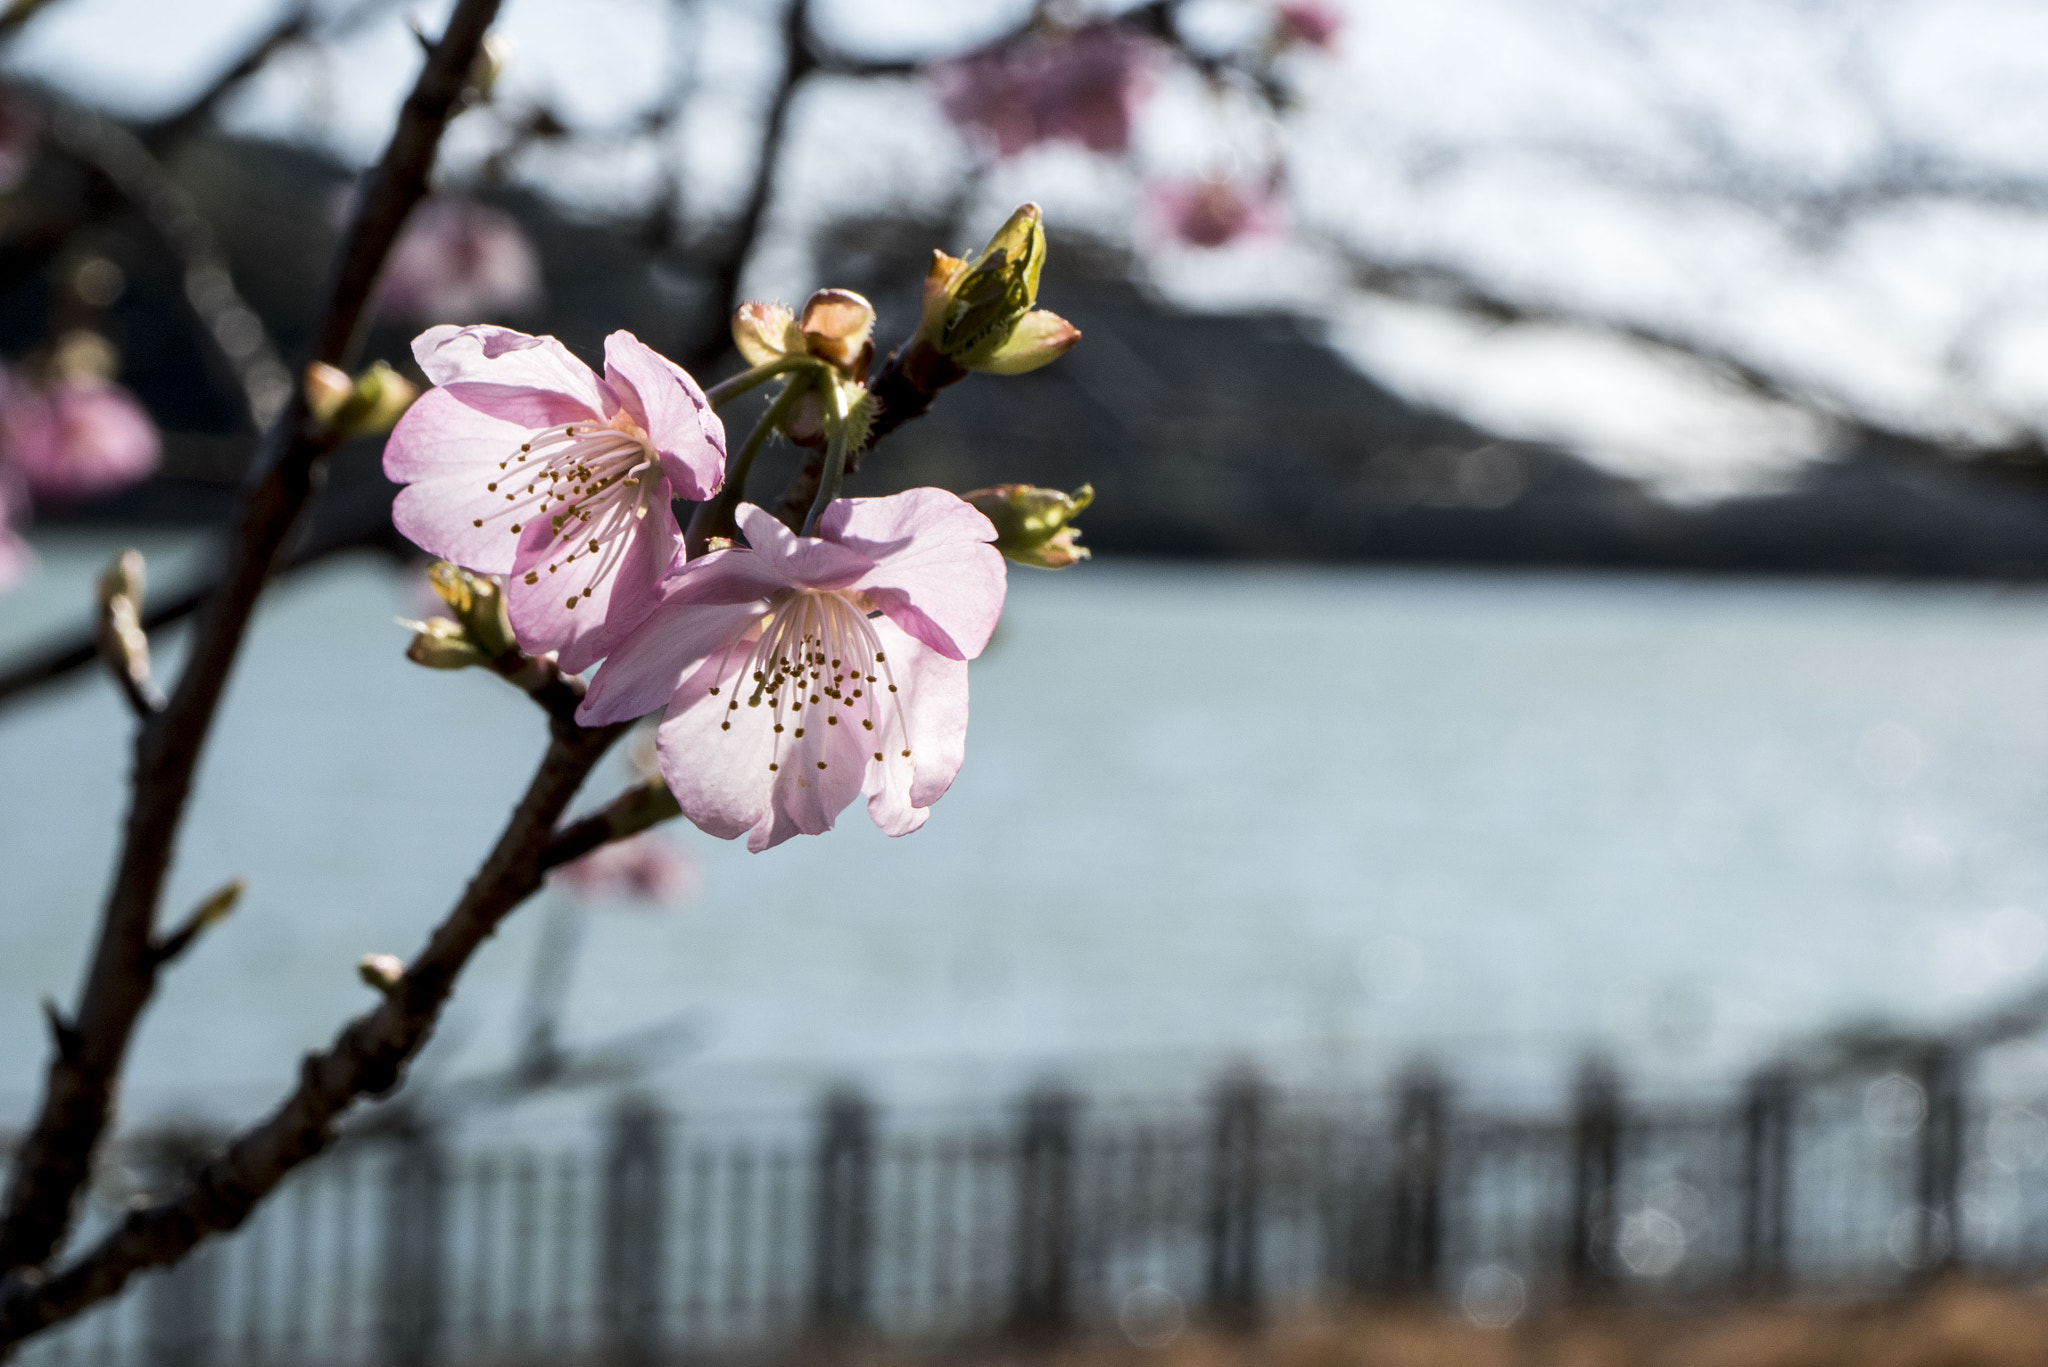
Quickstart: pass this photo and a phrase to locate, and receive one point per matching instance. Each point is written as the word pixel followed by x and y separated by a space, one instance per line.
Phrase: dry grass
pixel 1958 1324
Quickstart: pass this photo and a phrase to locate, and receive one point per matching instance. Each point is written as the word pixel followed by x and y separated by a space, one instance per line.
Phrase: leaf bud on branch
pixel 369 404
pixel 122 640
pixel 381 971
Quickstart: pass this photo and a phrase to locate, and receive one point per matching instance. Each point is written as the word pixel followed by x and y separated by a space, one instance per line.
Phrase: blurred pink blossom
pixel 74 436
pixel 1215 211
pixel 645 868
pixel 460 262
pixel 1083 87
pixel 1311 23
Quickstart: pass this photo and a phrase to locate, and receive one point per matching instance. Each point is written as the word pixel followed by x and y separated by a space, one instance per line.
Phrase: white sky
pixel 1486 133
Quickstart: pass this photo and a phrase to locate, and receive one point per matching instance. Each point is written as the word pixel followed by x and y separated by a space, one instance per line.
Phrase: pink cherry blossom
pixel 1216 211
pixel 460 262
pixel 645 868
pixel 74 436
pixel 1311 23
pixel 1082 87
pixel 801 672
pixel 524 463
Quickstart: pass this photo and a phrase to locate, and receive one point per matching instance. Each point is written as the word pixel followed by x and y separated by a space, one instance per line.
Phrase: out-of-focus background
pixel 1571 512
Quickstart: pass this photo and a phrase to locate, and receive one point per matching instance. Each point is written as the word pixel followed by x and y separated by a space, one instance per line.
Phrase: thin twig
pixel 56 660
pixel 641 807
pixel 55 1158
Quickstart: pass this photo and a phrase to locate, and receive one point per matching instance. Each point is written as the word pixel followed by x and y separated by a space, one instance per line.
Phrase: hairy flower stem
pixel 730 388
pixel 835 459
pixel 715 517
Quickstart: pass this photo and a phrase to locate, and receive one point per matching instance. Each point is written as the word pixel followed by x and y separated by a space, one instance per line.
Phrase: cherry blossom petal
pixel 935 575
pixel 533 381
pixel 448 455
pixel 646 670
pixel 564 595
pixel 672 410
pixel 720 774
pixel 806 560
pixel 933 728
pixel 730 576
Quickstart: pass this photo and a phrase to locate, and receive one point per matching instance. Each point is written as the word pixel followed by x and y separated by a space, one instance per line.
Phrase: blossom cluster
pixel 794 671
pixel 67 432
pixel 1086 85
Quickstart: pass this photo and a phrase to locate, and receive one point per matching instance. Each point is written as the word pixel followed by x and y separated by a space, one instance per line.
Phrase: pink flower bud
pixel 460 262
pixel 74 437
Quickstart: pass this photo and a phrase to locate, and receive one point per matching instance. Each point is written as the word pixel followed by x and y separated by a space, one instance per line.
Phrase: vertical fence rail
pixel 842 1220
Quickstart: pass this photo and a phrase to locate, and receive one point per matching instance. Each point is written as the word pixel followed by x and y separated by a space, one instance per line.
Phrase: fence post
pixel 1767 1114
pixel 1596 1167
pixel 635 1215
pixel 842 1218
pixel 415 1247
pixel 1415 1229
pixel 183 1322
pixel 1041 1296
pixel 1233 1290
pixel 1937 1238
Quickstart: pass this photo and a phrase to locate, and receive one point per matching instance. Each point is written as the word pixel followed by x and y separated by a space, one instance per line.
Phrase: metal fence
pixel 667 1236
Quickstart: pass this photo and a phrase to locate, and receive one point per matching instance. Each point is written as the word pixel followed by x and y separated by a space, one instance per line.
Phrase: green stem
pixel 835 459
pixel 730 388
pixel 715 518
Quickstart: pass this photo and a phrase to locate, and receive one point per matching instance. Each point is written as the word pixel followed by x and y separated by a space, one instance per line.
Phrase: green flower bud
pixel 479 607
pixel 981 314
pixel 1032 523
pixel 439 643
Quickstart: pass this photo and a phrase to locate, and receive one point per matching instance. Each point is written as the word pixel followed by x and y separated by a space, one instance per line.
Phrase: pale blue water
pixel 1316 818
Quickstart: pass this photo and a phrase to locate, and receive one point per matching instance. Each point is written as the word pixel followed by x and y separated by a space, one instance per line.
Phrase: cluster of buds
pixel 479 633
pixel 835 334
pixel 1033 525
pixel 365 406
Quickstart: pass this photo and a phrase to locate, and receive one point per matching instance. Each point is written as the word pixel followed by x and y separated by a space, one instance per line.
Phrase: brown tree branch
pixel 367 1058
pixel 641 807
pixel 797 63
pixel 55 1157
